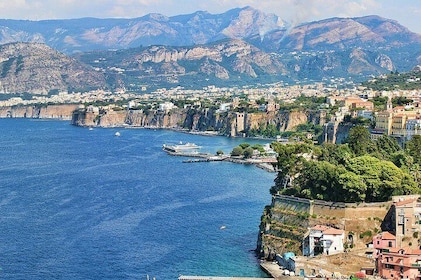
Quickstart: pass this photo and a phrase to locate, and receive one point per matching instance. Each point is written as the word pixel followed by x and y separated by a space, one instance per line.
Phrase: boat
pixel 181 148
pixel 117 134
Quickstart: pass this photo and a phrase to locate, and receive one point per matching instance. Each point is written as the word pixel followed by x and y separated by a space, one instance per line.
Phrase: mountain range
pixel 240 46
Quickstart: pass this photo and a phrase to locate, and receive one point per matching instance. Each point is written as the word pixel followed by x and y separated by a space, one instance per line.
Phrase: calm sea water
pixel 84 204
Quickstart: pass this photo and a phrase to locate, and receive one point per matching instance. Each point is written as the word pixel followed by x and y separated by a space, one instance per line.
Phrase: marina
pixel 191 150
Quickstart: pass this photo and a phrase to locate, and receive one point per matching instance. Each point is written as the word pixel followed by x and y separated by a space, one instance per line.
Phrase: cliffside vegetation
pixel 395 80
pixel 361 170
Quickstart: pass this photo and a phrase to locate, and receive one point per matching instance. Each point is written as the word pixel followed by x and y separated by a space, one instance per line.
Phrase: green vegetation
pixel 304 103
pixel 246 150
pixel 405 81
pixel 360 170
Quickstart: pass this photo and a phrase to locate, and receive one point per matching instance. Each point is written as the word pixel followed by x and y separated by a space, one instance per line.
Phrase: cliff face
pixel 227 123
pixel 63 112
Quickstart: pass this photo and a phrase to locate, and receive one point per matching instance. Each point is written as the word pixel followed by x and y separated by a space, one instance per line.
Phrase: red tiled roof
pixel 387 236
pixel 320 227
pixel 333 231
pixel 405 202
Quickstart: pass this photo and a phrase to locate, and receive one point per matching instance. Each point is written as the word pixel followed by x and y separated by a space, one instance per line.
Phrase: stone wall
pixel 285 222
pixel 340 210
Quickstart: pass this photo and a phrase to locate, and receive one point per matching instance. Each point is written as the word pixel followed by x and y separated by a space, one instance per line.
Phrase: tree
pixel 359 141
pixel 290 162
pixel 382 177
pixel 244 145
pixel 219 152
pixel 248 152
pixel 335 154
pixel 237 151
pixel 413 147
pixel 258 147
pixel 353 188
pixel 387 146
pixel 318 180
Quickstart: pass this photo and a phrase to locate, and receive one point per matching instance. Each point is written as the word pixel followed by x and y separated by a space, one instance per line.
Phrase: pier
pixel 191 150
pixel 182 277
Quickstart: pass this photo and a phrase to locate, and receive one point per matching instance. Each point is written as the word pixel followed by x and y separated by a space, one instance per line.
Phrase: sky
pixel 406 12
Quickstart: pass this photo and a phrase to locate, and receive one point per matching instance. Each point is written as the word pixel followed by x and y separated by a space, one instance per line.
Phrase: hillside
pixel 37 68
pixel 233 63
pixel 75 35
pixel 242 46
pixel 368 32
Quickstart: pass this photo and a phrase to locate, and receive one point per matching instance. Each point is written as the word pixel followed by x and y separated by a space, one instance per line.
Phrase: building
pixel 323 240
pixel 397 253
pixel 399 263
pixel 404 220
pixel 413 127
pixel 166 106
pixel 383 242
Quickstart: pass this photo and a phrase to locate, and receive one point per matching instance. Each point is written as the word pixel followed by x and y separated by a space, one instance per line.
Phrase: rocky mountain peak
pixel 37 68
pixel 251 21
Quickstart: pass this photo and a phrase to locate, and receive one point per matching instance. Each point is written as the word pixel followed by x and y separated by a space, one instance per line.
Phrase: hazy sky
pixel 406 12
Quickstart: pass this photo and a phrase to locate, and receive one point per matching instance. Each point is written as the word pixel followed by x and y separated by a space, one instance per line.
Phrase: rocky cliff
pixel 227 123
pixel 62 112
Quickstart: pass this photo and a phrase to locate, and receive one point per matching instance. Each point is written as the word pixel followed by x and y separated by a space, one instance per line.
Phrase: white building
pixel 166 106
pixel 333 241
pixel 323 240
pixel 413 127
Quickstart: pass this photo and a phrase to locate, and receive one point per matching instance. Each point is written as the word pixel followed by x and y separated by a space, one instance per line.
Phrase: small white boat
pixel 117 134
pixel 222 227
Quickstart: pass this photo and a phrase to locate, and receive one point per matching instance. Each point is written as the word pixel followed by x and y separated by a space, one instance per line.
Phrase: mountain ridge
pixel 239 47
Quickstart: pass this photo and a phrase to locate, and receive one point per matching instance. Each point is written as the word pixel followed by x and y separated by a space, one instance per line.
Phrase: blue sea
pixel 84 204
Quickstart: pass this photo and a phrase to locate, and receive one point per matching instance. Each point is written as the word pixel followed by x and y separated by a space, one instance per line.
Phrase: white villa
pixel 323 240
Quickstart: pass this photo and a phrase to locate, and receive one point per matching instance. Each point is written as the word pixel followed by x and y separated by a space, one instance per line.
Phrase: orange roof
pixel 387 236
pixel 333 231
pixel 320 227
pixel 416 252
pixel 394 250
pixel 405 202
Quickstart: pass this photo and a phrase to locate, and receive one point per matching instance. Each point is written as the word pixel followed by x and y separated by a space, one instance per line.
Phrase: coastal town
pixel 330 250
pixel 210 140
pixel 251 108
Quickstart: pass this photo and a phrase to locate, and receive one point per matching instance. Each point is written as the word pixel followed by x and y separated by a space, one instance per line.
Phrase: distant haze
pixel 406 12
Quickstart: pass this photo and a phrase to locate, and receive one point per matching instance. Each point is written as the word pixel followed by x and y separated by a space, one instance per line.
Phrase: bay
pixel 85 204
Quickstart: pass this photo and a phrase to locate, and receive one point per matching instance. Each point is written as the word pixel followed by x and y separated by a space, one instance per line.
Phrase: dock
pixel 191 151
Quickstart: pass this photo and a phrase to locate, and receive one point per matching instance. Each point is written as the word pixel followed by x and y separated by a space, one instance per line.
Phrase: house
pixel 333 241
pixel 323 240
pixel 397 253
pixel 399 263
pixel 383 242
pixel 404 220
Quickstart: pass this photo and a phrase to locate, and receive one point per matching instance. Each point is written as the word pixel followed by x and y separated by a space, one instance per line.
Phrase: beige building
pixel 395 122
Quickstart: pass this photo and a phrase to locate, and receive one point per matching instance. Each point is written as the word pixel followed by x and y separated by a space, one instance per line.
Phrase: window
pixel 390 244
